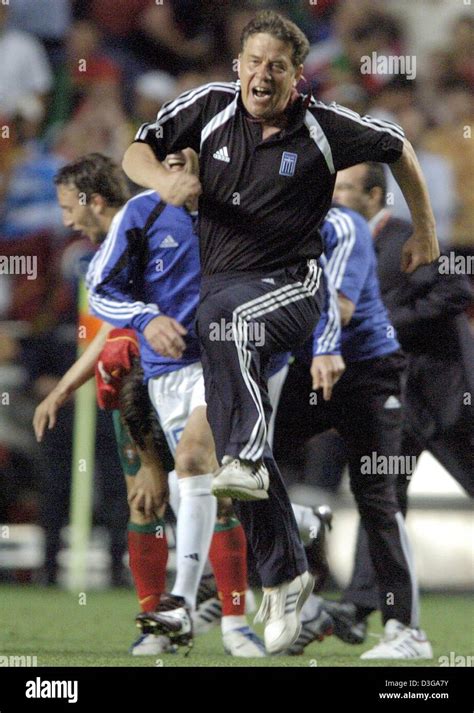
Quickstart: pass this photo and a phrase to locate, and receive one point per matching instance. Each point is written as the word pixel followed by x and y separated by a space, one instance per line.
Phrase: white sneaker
pixel 151 645
pixel 241 480
pixel 243 643
pixel 400 642
pixel 280 612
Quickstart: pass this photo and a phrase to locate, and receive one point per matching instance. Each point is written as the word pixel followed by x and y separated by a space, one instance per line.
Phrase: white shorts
pixel 174 397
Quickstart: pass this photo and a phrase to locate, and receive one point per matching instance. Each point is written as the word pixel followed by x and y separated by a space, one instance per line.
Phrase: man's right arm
pixel 81 371
pixel 143 168
pixel 177 126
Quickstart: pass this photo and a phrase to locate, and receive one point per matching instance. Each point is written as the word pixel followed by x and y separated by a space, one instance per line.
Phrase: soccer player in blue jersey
pixel 85 192
pixel 365 408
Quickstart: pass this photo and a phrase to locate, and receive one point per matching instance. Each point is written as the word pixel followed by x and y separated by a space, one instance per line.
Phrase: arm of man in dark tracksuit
pixel 352 140
pixel 109 278
pixel 428 295
pixel 175 129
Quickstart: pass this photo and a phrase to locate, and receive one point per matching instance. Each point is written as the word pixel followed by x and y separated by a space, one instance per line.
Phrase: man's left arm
pixel 349 139
pixel 422 247
pixel 440 296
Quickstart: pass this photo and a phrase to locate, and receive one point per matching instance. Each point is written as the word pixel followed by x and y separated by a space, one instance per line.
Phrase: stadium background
pixel 97 70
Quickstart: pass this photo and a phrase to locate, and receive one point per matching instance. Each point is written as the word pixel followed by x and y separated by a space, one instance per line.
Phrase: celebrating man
pixel 269 158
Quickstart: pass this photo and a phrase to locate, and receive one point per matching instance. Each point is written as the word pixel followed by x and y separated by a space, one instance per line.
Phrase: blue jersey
pixel 350 265
pixel 138 274
pixel 327 333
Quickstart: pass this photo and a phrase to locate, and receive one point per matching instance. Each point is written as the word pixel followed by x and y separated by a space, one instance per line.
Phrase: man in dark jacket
pixel 427 309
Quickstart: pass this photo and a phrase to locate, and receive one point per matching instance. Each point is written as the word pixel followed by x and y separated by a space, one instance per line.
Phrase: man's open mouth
pixel 261 92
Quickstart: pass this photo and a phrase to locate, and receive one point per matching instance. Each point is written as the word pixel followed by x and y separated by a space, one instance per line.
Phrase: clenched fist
pixel 180 189
pixel 420 249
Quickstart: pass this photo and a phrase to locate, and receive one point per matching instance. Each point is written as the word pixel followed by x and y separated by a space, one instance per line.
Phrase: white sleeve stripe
pixel 120 310
pixel 195 94
pixel 171 109
pixel 338 263
pixel 345 232
pixel 142 132
pixel 327 341
pixel 218 120
pixel 319 137
pixel 170 115
pixel 384 123
pixel 388 127
pixel 116 304
pixel 108 245
pixel 335 333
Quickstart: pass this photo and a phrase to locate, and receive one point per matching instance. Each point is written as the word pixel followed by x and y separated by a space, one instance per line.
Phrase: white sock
pixel 173 482
pixel 173 485
pixel 308 523
pixel 195 526
pixel 232 622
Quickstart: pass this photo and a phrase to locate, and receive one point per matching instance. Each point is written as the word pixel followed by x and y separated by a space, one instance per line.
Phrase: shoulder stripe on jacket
pixel 170 109
pixel 376 124
pixel 218 120
pixel 320 139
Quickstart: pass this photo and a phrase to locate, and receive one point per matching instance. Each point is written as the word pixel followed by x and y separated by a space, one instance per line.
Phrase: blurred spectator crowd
pixel 81 75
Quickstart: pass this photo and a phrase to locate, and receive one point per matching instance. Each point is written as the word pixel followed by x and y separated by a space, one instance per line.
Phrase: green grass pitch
pixel 63 629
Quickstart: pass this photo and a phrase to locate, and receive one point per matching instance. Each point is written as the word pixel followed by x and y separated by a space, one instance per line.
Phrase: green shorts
pixel 128 454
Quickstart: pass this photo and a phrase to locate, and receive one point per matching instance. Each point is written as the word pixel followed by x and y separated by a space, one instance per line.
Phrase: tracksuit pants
pixel 455 451
pixel 364 410
pixel 242 319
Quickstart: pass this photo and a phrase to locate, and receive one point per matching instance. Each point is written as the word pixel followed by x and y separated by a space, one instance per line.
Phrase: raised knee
pixel 192 459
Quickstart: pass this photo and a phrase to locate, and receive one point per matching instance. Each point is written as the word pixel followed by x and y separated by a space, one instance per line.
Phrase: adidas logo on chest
pixel 168 242
pixel 222 154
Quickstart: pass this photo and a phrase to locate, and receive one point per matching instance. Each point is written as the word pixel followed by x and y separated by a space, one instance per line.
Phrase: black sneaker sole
pixel 152 623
